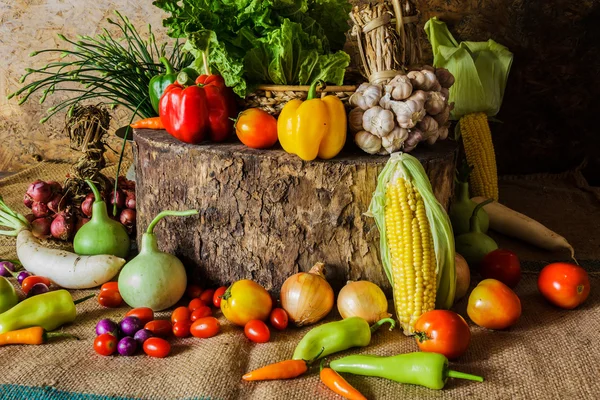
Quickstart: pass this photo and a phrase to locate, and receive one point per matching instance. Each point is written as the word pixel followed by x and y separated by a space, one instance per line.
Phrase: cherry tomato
pixel 109 286
pixel 193 291
pixel 110 298
pixel 493 305
pixel 279 319
pixel 563 284
pixel 205 327
pixel 256 128
pixel 28 282
pixel 196 303
pixel 244 301
pixel 444 332
pixel 144 314
pixel 257 331
pixel 159 327
pixel 180 314
pixel 502 265
pixel 207 296
pixel 217 296
pixel 105 344
pixel 157 347
pixel 201 312
pixel 181 329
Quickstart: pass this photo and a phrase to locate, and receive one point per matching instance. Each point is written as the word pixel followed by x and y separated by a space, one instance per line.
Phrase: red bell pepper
pixel 221 106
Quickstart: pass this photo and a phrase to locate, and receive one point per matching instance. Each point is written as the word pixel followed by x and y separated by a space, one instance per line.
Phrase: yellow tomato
pixel 493 305
pixel 244 301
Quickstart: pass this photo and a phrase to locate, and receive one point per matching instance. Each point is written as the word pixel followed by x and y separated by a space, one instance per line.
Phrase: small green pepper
pixel 187 76
pixel 8 295
pixel 418 368
pixel 49 310
pixel 337 336
pixel 159 83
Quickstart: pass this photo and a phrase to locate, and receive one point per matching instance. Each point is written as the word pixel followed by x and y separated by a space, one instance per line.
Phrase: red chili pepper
pixel 221 106
pixel 184 112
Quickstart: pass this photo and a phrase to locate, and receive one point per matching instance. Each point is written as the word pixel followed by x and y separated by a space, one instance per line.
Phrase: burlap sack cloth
pixel 549 354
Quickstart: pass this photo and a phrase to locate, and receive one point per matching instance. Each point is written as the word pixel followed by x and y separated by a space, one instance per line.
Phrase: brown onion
pixel 463 276
pixel 40 227
pixel 307 297
pixel 62 226
pixel 27 200
pixel 39 209
pixel 363 299
pixel 39 191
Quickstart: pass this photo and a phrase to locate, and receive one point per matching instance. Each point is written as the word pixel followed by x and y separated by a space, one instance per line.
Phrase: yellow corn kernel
pixel 479 149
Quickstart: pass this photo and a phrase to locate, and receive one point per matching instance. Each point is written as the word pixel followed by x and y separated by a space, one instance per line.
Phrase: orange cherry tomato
pixel 207 296
pixel 159 327
pixel 205 327
pixel 181 329
pixel 256 128
pixel 201 312
pixel 503 265
pixel 28 282
pixel 157 347
pixel 110 299
pixel 109 286
pixel 493 305
pixel 444 332
pixel 180 314
pixel 144 314
pixel 105 344
pixel 279 319
pixel 196 303
pixel 193 291
pixel 257 331
pixel 563 284
pixel 217 296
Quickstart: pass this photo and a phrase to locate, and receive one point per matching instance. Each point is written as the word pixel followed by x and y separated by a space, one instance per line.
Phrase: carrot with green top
pixel 33 335
pixel 148 123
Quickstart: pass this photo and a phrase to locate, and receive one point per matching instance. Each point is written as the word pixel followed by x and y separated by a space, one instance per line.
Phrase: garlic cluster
pixel 400 113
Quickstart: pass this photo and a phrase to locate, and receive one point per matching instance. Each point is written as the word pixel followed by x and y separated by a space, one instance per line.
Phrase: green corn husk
pixel 480 70
pixel 403 165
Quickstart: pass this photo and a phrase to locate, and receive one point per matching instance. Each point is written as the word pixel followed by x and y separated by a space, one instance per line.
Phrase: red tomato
pixel 159 327
pixel 193 291
pixel 563 284
pixel 257 331
pixel 105 344
pixel 180 314
pixel 207 296
pixel 205 327
pixel 28 282
pixel 181 329
pixel 110 286
pixel 144 314
pixel 196 303
pixel 157 347
pixel 217 296
pixel 279 319
pixel 502 265
pixel 110 298
pixel 256 128
pixel 493 305
pixel 444 332
pixel 201 312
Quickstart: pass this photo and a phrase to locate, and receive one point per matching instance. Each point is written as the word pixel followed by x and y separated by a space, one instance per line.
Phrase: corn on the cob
pixel 479 149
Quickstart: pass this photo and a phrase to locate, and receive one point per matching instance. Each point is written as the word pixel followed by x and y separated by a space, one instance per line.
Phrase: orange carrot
pixel 34 335
pixel 339 385
pixel 148 123
pixel 282 370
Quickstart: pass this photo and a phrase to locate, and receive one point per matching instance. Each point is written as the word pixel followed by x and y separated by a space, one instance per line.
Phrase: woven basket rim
pixel 300 88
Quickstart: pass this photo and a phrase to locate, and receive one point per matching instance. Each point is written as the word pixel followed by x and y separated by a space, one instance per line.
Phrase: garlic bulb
pixel 385 101
pixel 435 103
pixel 307 296
pixel 394 140
pixel 363 299
pixel 428 126
pixel 420 95
pixel 443 131
pixel 443 116
pixel 445 92
pixel 432 138
pixel 417 79
pixel 366 96
pixel 378 121
pixel 355 117
pixel 445 77
pixel 399 87
pixel 408 112
pixel 368 142
pixel 414 137
pixel 423 80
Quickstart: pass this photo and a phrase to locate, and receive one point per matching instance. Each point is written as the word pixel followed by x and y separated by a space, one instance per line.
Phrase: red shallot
pixel 62 226
pixel 39 209
pixel 40 227
pixel 40 191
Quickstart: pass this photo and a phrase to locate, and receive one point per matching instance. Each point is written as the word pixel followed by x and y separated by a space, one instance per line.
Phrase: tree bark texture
pixel 265 214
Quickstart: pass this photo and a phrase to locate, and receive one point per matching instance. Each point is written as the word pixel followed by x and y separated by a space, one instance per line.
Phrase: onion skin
pixel 55 186
pixel 363 299
pixel 39 191
pixel 62 226
pixel 39 209
pixel 127 217
pixel 86 206
pixel 40 227
pixel 130 200
pixel 56 203
pixel 27 200
pixel 463 276
pixel 307 297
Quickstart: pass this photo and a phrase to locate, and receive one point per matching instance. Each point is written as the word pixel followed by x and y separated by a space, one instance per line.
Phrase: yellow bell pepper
pixel 311 128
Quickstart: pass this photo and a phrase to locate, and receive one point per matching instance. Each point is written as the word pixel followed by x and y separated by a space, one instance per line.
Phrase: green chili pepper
pixel 418 368
pixel 49 310
pixel 159 83
pixel 337 336
pixel 8 295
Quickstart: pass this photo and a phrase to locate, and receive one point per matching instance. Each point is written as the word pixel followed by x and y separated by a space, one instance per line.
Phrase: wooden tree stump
pixel 265 214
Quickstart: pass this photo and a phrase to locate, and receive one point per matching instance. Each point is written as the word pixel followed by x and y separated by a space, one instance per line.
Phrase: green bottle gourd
pixel 153 279
pixel 101 235
pixel 462 206
pixel 475 244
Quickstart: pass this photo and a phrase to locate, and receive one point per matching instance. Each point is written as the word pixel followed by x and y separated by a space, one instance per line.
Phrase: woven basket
pixel 272 98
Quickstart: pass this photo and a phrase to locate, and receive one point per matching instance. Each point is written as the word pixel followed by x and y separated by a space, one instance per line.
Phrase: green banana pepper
pixel 418 368
pixel 49 310
pixel 159 83
pixel 337 336
pixel 8 295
